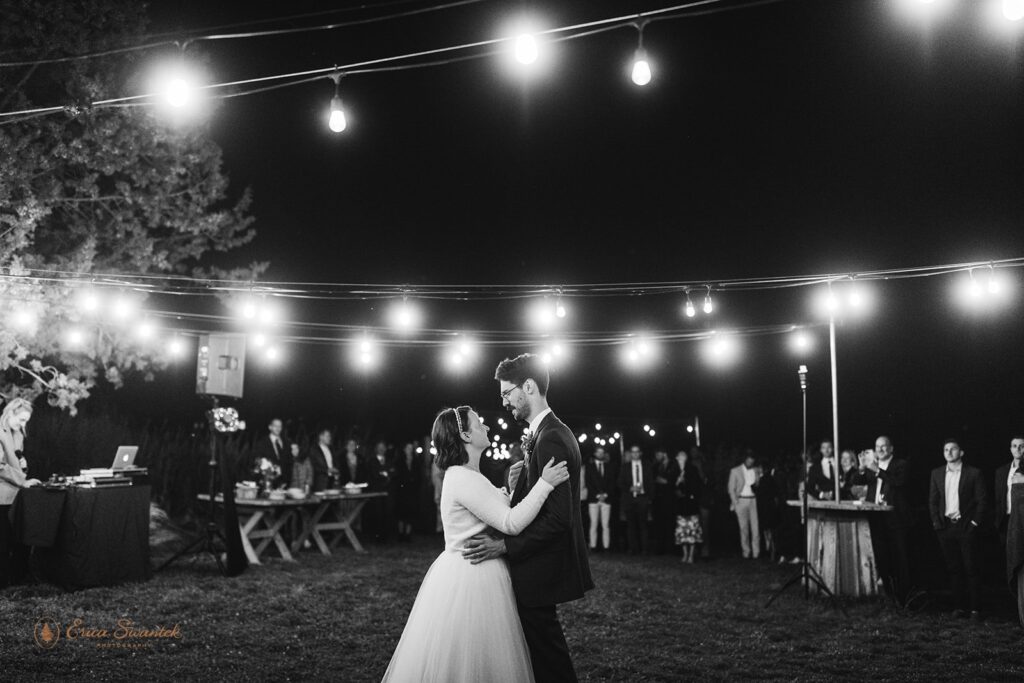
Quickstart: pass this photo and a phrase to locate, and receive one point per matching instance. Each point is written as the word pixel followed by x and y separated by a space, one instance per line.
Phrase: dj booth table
pixel 85 537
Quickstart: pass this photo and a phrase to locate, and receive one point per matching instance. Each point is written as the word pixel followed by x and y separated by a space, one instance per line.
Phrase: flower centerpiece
pixel 267 472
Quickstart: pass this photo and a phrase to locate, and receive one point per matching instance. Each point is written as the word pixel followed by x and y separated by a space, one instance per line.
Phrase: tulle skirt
pixel 463 627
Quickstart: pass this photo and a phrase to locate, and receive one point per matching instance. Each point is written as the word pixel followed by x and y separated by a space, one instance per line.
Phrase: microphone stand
pixel 807 573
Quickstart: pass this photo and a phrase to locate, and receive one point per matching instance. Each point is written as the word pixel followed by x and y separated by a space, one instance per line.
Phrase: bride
pixel 464 625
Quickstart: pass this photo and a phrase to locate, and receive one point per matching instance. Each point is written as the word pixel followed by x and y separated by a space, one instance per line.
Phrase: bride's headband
pixel 458 418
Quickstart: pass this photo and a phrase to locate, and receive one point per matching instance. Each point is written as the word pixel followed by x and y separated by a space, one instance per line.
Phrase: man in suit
pixel 322 458
pixel 891 535
pixel 743 501
pixel 379 513
pixel 636 490
pixel 275 448
pixel 600 484
pixel 1007 475
pixel 958 502
pixel 821 480
pixel 548 560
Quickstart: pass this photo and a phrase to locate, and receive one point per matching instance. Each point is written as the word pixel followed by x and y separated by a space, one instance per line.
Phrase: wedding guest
pixel 13 555
pixel 636 485
pixel 688 488
pixel 821 477
pixel 742 483
pixel 706 500
pixel 302 470
pixel 891 535
pixel 862 482
pixel 378 515
pixel 408 471
pixel 847 470
pixel 1007 475
pixel 663 503
pixel 353 469
pixel 769 501
pixel 957 501
pixel 274 448
pixel 325 469
pixel 600 487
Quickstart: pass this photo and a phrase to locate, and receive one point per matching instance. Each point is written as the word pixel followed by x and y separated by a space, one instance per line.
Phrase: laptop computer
pixel 125 457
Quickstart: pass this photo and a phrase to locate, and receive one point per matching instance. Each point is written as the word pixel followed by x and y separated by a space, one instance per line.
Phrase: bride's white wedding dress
pixel 464 625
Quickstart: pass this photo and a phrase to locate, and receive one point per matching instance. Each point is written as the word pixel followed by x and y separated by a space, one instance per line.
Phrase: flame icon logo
pixel 46 633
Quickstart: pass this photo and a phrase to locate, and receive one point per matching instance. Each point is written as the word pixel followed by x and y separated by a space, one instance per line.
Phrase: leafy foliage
pixel 93 190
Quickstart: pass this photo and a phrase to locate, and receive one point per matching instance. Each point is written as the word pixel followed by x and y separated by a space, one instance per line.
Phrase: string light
pixel 336 120
pixel 690 310
pixel 641 72
pixel 405 317
pixel 145 330
pixel 708 307
pixel 176 347
pixel 1013 10
pixel 526 49
pixel 75 338
pixel 559 308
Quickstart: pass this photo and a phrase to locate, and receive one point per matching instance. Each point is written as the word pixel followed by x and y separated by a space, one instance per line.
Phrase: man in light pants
pixel 599 483
pixel 742 482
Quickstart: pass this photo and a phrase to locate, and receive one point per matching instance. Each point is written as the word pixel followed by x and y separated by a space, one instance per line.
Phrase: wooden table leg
pixel 310 528
pixel 246 528
pixel 272 534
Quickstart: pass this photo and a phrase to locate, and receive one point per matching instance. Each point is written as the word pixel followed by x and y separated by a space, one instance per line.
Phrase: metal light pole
pixel 835 402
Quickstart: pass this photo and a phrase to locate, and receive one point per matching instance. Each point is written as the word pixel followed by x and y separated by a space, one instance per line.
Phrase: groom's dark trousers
pixel 548 561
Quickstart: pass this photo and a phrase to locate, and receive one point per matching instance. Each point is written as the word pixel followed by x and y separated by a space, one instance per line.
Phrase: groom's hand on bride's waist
pixel 482 547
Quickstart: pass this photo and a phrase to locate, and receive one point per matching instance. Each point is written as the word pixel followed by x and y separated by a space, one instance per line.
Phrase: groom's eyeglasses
pixel 505 394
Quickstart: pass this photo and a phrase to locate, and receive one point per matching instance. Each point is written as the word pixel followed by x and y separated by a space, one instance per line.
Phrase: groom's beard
pixel 519 415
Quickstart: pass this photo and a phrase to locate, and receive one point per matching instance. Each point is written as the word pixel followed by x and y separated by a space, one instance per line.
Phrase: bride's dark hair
pixel 448 425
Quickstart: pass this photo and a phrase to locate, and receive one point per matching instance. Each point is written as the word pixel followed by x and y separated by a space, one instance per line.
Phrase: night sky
pixel 798 137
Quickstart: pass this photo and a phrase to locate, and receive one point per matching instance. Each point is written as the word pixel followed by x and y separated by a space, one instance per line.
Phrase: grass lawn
pixel 651 619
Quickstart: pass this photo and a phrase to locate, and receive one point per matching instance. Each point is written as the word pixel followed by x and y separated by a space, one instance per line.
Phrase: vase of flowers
pixel 267 473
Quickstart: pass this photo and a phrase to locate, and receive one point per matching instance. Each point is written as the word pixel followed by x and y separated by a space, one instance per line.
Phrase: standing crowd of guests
pixel 405 474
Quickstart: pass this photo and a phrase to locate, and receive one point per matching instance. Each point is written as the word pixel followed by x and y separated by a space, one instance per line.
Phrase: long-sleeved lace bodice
pixel 470 504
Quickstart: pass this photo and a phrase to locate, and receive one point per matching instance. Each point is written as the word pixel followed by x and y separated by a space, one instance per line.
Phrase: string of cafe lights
pixel 699 290
pixel 89 310
pixel 180 91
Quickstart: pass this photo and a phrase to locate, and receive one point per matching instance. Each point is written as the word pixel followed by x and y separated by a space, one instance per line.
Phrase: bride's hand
pixel 555 473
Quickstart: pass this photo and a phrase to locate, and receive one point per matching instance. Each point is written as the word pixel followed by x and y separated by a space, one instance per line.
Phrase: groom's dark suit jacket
pixel 548 561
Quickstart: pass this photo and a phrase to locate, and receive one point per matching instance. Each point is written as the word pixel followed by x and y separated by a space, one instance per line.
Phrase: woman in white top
pixel 464 625
pixel 16 414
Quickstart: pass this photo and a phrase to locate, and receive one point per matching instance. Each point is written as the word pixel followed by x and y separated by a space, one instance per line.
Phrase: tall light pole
pixel 835 398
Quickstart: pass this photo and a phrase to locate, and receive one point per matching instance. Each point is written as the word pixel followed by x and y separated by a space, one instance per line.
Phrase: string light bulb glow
pixel 89 301
pixel 526 49
pixel 75 338
pixel 641 73
pixel 690 310
pixel 176 347
pixel 1013 10
pixel 405 317
pixel 708 306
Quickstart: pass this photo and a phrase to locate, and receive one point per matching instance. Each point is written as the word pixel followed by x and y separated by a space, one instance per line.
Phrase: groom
pixel 548 560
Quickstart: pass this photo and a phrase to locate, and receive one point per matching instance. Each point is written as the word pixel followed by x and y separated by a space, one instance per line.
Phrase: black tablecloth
pixel 86 537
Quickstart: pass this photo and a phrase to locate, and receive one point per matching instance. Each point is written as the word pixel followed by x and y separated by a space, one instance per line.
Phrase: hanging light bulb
pixel 708 307
pixel 337 121
pixel 690 310
pixel 526 49
pixel 559 309
pixel 1013 10
pixel 641 73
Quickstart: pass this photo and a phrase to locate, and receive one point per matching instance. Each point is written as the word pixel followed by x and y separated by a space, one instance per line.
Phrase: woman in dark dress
pixel 769 504
pixel 688 489
pixel 406 485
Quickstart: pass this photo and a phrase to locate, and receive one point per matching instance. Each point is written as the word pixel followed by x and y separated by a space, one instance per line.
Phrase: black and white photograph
pixel 462 341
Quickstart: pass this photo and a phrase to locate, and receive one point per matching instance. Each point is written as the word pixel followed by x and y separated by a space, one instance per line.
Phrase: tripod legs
pixel 204 543
pixel 807 575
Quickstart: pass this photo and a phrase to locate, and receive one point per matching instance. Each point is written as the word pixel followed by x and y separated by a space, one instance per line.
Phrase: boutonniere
pixel 529 438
